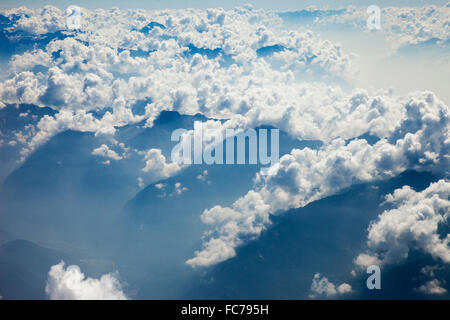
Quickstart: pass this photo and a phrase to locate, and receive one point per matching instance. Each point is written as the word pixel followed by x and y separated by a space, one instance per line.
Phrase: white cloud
pixel 366 260
pixel 203 175
pixel 156 165
pixel 432 287
pixel 38 21
pixel 160 185
pixel 400 25
pixel 412 223
pixel 140 182
pixel 419 142
pixel 179 189
pixel 344 288
pixel 71 284
pixel 321 286
pixel 87 71
pixel 95 75
pixel 106 152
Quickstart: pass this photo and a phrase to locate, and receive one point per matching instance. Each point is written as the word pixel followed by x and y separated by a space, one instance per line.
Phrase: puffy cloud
pixel 344 288
pixel 432 287
pixel 90 70
pixel 79 120
pixel 104 151
pixel 38 21
pixel 179 189
pixel 160 185
pixel 216 249
pixel 71 284
pixel 366 260
pixel 206 61
pixel 321 286
pixel 156 165
pixel 246 219
pixel 412 223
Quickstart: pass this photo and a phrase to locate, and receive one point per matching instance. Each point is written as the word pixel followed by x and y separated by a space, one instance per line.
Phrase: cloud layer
pixel 241 66
pixel 420 142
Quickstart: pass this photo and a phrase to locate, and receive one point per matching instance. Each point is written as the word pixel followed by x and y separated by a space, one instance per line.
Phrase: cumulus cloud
pixel 156 165
pixel 246 219
pixel 94 69
pixel 140 182
pixel 90 71
pixel 38 21
pixel 79 120
pixel 104 151
pixel 432 287
pixel 71 284
pixel 321 286
pixel 412 223
pixel 207 61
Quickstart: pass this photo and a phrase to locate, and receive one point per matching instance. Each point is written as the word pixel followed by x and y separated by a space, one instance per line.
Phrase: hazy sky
pixel 162 4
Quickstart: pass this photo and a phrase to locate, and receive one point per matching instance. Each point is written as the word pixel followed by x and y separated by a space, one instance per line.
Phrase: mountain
pixel 65 196
pixel 13 119
pixel 24 267
pixel 322 237
pixel 162 226
pixel 62 192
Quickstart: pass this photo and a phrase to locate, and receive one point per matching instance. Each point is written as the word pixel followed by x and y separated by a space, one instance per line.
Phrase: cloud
pixel 90 71
pixel 94 69
pixel 104 151
pixel 79 120
pixel 420 142
pixel 400 25
pixel 412 223
pixel 71 284
pixel 179 189
pixel 156 165
pixel 432 287
pixel 140 182
pixel 245 220
pixel 321 286
pixel 365 260
pixel 38 21
pixel 203 175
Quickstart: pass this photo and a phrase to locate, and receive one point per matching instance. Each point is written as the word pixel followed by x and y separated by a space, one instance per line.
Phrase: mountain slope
pixel 323 237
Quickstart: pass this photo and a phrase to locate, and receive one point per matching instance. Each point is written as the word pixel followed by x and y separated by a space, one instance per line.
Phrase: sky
pixel 178 4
